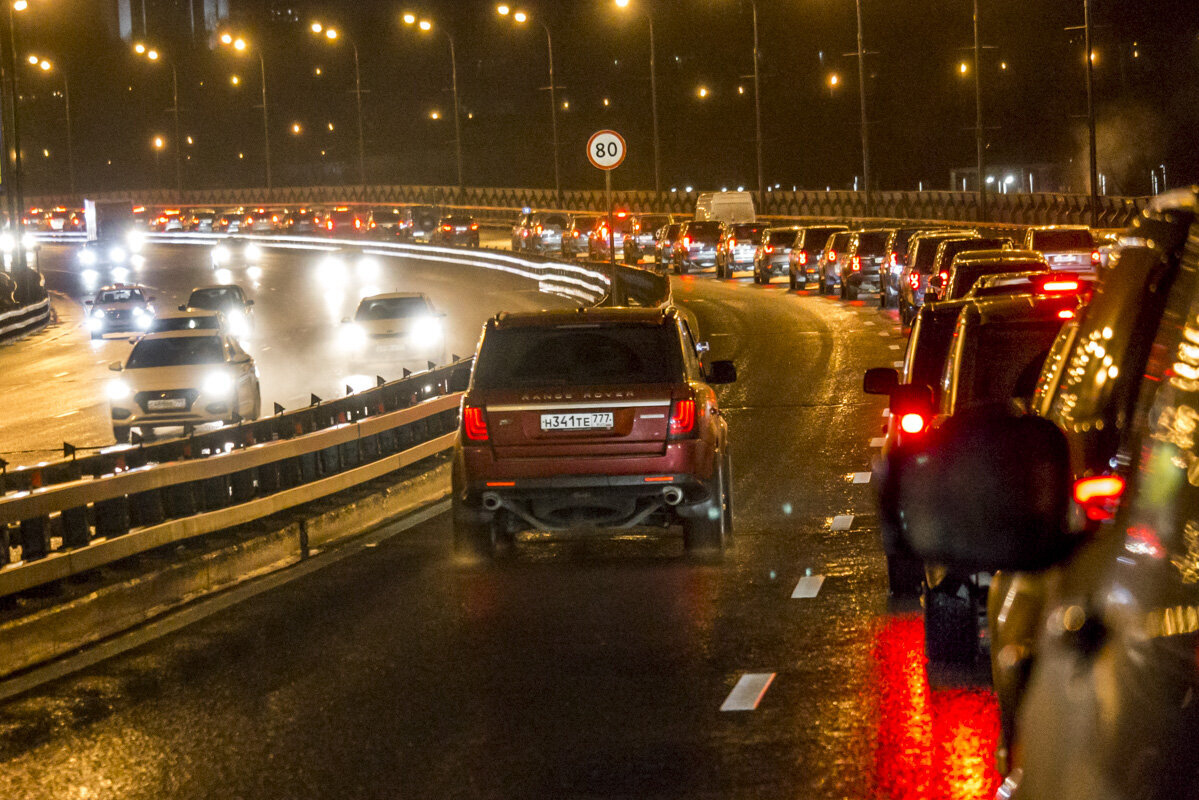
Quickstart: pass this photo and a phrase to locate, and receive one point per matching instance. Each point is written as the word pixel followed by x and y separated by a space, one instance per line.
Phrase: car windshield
pixel 814 239
pixel 198 323
pixel 872 243
pixel 121 296
pixel 342 216
pixel 651 222
pixel 215 299
pixel 589 354
pixel 966 275
pixel 781 237
pixel 585 223
pixel 1062 240
pixel 747 233
pixel 1007 359
pixel 176 352
pixel 392 308
pixel 555 221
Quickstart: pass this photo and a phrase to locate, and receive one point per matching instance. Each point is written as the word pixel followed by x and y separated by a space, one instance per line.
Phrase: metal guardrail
pixel 20 321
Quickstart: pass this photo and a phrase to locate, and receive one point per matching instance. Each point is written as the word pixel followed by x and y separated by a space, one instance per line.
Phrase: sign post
pixel 606 151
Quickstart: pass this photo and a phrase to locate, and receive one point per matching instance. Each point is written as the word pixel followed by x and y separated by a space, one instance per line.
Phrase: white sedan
pixel 183 379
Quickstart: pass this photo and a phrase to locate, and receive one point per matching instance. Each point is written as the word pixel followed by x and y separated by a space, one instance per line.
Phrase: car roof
pixel 394 296
pixel 218 286
pixel 1018 307
pixel 190 313
pixel 1058 228
pixel 191 333
pixel 999 257
pixel 116 287
pixel 563 318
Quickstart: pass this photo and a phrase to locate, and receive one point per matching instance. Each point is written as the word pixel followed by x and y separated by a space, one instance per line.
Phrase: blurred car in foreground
pixel 183 379
pixel 119 309
pixel 804 265
pixel 457 229
pixel 1090 509
pixel 389 328
pixel 591 418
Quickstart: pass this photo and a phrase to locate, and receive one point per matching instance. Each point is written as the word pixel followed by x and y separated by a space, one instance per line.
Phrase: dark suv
pixel 862 269
pixel 1092 506
pixel 591 418
pixel 913 280
pixel 695 248
pixel 804 263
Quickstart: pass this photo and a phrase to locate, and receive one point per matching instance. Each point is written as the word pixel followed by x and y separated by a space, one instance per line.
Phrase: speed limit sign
pixel 605 150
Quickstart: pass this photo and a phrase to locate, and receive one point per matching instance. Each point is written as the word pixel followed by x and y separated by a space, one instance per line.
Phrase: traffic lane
pixel 590 667
pixel 299 304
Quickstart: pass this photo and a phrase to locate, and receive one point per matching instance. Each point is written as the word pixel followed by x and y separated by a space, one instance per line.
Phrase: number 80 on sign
pixel 606 150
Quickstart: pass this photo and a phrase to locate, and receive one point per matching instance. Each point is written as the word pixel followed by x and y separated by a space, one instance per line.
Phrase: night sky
pixel 921 109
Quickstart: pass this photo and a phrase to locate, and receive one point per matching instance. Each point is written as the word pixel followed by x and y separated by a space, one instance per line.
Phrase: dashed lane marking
pixel 842 522
pixel 878 441
pixel 898 365
pixel 884 333
pixel 861 477
pixel 808 587
pixel 67 414
pixel 748 692
pixel 895 347
pixel 886 412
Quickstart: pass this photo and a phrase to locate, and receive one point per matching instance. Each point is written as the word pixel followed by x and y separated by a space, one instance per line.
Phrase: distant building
pixel 174 20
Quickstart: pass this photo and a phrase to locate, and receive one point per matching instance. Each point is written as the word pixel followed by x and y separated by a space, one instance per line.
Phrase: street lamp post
pixel 653 94
pixel 862 99
pixel 979 144
pixel 521 17
pixel 158 143
pixel 153 55
pixel 332 34
pixel 758 109
pixel 426 26
pixel 239 44
pixel 47 66
pixel 16 192
pixel 1092 149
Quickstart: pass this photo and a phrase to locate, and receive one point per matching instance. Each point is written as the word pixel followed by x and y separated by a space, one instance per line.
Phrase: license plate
pixel 171 404
pixel 460 230
pixel 577 422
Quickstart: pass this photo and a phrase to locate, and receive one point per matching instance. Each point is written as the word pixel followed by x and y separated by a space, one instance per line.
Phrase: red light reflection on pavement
pixel 933 743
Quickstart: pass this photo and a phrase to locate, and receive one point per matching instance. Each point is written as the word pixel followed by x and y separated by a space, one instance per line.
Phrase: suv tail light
pixel 682 417
pixel 912 423
pixel 1055 286
pixel 474 424
pixel 686 241
pixel 857 263
pixel 832 256
pixel 1095 257
pixel 474 226
pixel 914 280
pixel 769 248
pixel 894 260
pixel 803 258
pixel 1099 495
pixel 732 242
pixel 447 228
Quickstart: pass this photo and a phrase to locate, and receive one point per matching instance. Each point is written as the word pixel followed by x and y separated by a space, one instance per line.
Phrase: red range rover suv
pixel 591 418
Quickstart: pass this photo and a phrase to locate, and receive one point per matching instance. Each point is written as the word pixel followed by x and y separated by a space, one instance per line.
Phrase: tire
pixel 682 268
pixel 884 297
pixel 121 433
pixel 728 493
pixel 851 292
pixel 905 576
pixel 792 282
pixel 950 624
pixel 707 532
pixel 475 538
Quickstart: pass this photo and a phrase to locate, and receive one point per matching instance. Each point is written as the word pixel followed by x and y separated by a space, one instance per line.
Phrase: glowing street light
pixel 152 55
pixel 331 35
pixel 239 44
pixel 702 92
pixel 426 26
pixel 653 91
pixel 45 65
pixel 520 18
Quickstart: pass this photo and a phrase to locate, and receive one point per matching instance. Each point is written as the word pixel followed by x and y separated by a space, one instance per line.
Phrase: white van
pixel 727 207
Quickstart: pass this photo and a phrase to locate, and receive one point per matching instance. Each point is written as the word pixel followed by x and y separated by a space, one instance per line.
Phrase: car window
pixel 589 354
pixel 690 356
pixel 964 276
pixel 392 308
pixel 176 352
pixel 998 361
pixel 215 299
pixel 872 243
pixel 746 232
pixel 922 258
pixel 928 347
pixel 708 231
pixel 1062 240
pixel 121 296
pixel 781 237
pixel 162 324
pixel 814 239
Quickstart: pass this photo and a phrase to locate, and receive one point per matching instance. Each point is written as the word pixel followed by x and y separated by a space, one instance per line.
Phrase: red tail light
pixel 539 229
pixel 1099 495
pixel 1095 257
pixel 803 258
pixel 832 256
pixel 474 226
pixel 914 280
pixel 574 233
pixel 769 248
pixel 732 242
pixel 357 224
pixel 686 241
pixel 912 423
pixel 682 417
pixel 894 260
pixel 329 224
pixel 1060 286
pixel 1065 313
pixel 857 263
pixel 447 228
pixel 474 425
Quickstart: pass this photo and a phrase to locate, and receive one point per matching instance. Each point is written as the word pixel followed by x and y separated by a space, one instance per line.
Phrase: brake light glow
pixel 474 226
pixel 447 228
pixel 769 248
pixel 732 242
pixel 682 417
pixel 803 257
pixel 686 241
pixel 857 263
pixel 832 256
pixel 1065 313
pixel 474 425
pixel 1059 286
pixel 329 224
pixel 1095 257
pixel 895 259
pixel 1099 495
pixel 911 423
pixel 914 280
pixel 357 224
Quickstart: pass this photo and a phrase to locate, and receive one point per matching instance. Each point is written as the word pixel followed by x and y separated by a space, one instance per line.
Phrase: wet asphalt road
pixel 54 381
pixel 572 667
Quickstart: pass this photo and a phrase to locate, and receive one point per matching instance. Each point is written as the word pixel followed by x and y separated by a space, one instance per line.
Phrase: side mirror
pixel 116 366
pixel 702 347
pixel 880 380
pixel 722 372
pixel 983 492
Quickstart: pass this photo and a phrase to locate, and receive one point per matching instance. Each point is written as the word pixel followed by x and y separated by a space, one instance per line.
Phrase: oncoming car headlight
pixel 117 255
pixel 118 389
pixel 253 252
pixel 120 274
pixel 237 322
pixel 87 257
pixel 98 314
pixel 220 254
pixel 29 241
pixel 217 384
pixel 136 241
pixel 352 336
pixel 427 330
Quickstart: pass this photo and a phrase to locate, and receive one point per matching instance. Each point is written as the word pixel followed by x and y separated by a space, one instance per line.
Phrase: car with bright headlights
pixel 119 308
pixel 394 326
pixel 183 379
pixel 229 299
pixel 235 253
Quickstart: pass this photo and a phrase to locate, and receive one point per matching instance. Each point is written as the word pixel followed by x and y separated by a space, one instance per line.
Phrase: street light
pixel 45 65
pixel 15 192
pixel 152 55
pixel 239 44
pixel 520 17
pixel 158 143
pixel 653 91
pixel 425 26
pixel 331 34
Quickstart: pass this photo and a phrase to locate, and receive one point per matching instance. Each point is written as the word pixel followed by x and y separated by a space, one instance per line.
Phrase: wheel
pixel 851 292
pixel 905 575
pixel 905 313
pixel 950 623
pixel 683 267
pixel 707 530
pixel 792 281
pixel 728 493
pixel 121 433
pixel 884 296
pixel 476 533
pixel 842 290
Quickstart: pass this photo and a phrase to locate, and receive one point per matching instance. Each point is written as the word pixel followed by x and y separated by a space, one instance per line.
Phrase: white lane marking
pixel 884 333
pixel 895 347
pixel 69 413
pixel 61 374
pixel 808 587
pixel 861 477
pixel 842 522
pixel 898 365
pixel 748 692
pixel 886 412
pixel 869 322
pixel 878 441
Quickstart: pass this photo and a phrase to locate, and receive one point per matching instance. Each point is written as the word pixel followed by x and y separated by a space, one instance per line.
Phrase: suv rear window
pixel 163 324
pixel 215 299
pixel 873 243
pixel 746 232
pixel 814 239
pixel 708 231
pixel 1062 240
pixel 595 355
pixel 783 237
pixel 926 252
pixel 1007 362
